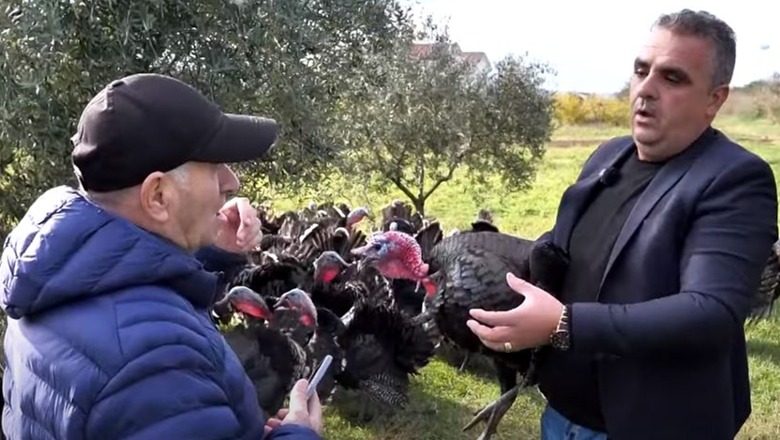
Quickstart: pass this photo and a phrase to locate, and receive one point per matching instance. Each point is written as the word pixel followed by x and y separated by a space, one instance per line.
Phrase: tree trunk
pixel 419 205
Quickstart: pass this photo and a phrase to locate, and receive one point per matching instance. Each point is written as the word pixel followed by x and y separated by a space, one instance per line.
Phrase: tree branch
pixel 397 181
pixel 453 165
pixel 441 180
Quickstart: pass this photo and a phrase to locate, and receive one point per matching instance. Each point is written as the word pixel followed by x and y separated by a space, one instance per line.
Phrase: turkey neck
pixel 412 270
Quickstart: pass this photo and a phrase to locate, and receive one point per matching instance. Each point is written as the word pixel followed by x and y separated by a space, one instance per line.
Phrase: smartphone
pixel 314 381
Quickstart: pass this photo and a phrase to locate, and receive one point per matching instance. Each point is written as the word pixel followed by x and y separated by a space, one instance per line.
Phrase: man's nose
pixel 647 88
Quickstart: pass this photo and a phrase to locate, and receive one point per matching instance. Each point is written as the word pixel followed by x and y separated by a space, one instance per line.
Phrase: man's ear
pixel 155 196
pixel 717 98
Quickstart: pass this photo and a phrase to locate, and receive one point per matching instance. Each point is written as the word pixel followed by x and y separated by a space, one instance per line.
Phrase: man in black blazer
pixel 668 231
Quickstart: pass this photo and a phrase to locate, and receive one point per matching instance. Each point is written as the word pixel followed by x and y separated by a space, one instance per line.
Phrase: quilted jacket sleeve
pixel 215 259
pixel 169 392
pixel 293 432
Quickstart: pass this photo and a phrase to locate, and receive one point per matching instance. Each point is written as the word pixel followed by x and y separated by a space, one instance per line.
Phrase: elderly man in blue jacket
pixel 109 335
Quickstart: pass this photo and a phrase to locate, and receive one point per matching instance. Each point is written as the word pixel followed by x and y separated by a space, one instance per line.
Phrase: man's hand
pixel 239 229
pixel 274 422
pixel 528 325
pixel 301 412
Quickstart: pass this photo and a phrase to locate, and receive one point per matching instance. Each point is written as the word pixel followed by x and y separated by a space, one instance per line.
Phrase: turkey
pixel 337 285
pixel 384 348
pixel 483 223
pixel 398 215
pixel 769 289
pixel 384 342
pixel 296 306
pixel 272 278
pixel 467 271
pixel 271 358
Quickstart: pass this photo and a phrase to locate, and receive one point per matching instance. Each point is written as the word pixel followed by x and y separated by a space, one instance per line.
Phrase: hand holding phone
pixel 305 409
pixel 318 375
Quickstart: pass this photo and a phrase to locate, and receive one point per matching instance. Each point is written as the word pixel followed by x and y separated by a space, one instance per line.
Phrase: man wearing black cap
pixel 108 333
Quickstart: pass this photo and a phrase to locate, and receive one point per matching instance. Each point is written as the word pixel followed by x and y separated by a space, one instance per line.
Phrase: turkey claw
pixel 465 361
pixel 493 413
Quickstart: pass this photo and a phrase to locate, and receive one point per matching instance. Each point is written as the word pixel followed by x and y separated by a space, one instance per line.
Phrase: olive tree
pixel 290 60
pixel 421 117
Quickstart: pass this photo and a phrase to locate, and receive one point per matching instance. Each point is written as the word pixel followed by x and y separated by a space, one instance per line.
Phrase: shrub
pixel 767 98
pixel 572 109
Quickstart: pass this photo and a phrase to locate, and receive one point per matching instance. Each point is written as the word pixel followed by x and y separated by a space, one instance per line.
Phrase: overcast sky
pixel 567 34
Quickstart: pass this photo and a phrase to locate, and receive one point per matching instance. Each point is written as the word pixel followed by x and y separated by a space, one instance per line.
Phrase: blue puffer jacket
pixel 109 335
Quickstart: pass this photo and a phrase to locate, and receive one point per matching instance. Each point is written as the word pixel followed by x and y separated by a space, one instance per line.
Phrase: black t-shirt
pixel 569 380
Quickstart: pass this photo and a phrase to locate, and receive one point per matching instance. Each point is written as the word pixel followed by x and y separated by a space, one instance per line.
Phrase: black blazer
pixel 667 329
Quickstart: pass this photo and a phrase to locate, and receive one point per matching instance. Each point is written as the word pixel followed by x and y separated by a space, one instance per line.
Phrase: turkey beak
pixel 361 254
pixel 366 255
pixel 284 301
pixel 360 251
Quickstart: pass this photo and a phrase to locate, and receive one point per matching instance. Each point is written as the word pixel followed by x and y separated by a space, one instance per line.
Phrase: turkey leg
pixel 465 361
pixel 494 412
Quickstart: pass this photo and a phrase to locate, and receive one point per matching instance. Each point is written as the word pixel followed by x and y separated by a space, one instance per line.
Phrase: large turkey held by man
pixel 468 271
pixel 769 290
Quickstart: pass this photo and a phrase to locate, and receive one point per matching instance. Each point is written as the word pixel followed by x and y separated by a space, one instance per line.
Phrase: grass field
pixel 443 399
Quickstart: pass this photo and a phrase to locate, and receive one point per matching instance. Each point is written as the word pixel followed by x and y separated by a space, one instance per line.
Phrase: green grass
pixel 443 400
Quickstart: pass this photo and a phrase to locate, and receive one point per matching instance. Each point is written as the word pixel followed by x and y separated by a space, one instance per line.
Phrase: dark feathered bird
pixel 324 330
pixel 468 271
pixel 483 222
pixel 271 359
pixel 769 289
pixel 383 348
pixel 337 285
pixel 272 278
pixel 398 214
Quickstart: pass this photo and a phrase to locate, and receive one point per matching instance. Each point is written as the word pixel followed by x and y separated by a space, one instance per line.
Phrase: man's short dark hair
pixel 705 25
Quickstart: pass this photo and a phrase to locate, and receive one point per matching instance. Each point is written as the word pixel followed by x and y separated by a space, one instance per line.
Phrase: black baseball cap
pixel 148 122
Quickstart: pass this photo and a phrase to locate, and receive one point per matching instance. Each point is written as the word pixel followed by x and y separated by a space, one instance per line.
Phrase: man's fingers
pixel 231 212
pixel 314 404
pixel 248 218
pixel 223 218
pixel 523 287
pixel 315 412
pixel 257 237
pixel 495 346
pixel 282 413
pixel 495 334
pixel 492 319
pixel 298 404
